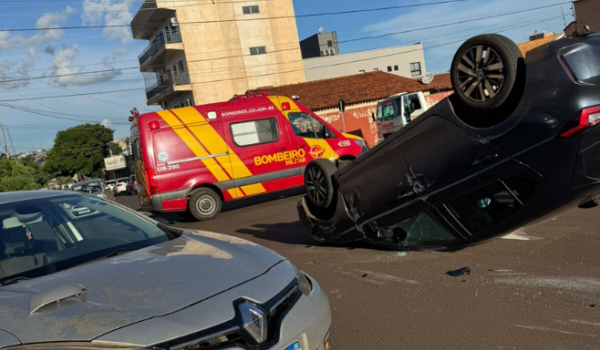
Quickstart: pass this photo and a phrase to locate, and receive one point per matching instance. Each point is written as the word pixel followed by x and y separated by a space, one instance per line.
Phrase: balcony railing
pixel 165 82
pixel 163 38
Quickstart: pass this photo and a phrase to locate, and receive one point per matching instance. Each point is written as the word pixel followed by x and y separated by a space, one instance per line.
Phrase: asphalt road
pixel 539 289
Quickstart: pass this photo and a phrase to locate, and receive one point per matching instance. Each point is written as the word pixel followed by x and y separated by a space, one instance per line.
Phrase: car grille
pixel 229 334
pixel 595 168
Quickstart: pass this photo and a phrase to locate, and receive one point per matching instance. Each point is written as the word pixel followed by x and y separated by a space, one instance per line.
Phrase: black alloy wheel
pixel 318 182
pixel 485 71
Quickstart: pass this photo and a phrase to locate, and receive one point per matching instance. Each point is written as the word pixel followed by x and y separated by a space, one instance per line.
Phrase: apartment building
pixel 206 51
pixel 323 60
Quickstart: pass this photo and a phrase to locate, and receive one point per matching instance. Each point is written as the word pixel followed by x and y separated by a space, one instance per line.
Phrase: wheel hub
pixel 206 205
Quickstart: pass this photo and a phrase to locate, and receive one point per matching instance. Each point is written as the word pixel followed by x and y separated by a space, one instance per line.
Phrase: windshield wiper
pixel 121 250
pixel 171 232
pixel 14 280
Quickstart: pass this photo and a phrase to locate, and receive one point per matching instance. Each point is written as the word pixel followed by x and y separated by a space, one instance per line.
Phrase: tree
pixel 79 150
pixel 114 149
pixel 19 176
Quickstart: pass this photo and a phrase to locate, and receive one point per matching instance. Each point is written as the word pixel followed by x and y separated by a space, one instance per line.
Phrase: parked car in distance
pixel 121 186
pixel 516 144
pixel 94 187
pixel 132 185
pixel 62 282
pixel 110 184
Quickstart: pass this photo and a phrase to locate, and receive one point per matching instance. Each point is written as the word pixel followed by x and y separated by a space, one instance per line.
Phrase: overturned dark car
pixel 516 144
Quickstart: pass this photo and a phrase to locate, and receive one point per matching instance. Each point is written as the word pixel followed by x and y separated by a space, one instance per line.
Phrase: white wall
pixel 352 63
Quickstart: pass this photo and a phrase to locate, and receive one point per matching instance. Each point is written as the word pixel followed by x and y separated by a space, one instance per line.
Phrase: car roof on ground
pixel 10 197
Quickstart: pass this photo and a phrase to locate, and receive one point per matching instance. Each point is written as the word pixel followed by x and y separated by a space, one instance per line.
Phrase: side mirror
pixel 373 117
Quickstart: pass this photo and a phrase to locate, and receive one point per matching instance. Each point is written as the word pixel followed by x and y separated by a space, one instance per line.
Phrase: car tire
pixel 205 204
pixel 318 182
pixel 483 64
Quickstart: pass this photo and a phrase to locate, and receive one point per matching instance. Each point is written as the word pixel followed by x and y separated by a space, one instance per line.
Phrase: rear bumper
pixel 586 176
pixel 169 201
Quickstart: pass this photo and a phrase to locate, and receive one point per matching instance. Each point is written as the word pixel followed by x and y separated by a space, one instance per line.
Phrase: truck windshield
pixel 387 109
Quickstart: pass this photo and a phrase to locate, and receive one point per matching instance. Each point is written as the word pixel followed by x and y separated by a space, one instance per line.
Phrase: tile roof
pixel 354 89
pixel 530 45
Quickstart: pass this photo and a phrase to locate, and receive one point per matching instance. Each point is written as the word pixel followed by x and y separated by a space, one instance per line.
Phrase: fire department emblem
pixel 316 151
pixel 163 156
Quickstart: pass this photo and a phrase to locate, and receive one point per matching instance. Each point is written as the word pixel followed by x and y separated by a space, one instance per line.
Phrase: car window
pixel 89 187
pixel 122 180
pixel 41 236
pixel 420 231
pixel 255 132
pixel 307 126
pixel 490 206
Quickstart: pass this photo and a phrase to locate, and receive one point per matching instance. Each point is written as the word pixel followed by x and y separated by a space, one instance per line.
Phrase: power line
pixel 337 13
pixel 80 94
pixel 296 48
pixel 291 71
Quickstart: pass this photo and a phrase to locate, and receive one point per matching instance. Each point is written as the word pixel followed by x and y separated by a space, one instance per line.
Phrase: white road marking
pixel 520 236
pixel 546 329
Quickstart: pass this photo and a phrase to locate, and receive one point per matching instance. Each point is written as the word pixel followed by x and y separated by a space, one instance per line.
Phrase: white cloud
pixel 50 20
pixel 7 40
pixel 69 74
pixel 109 13
pixel 106 123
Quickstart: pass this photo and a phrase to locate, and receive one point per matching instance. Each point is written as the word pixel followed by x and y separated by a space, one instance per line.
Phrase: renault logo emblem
pixel 254 321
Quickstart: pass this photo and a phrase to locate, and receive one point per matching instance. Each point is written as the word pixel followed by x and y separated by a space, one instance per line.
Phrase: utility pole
pixel 5 144
pixel 563 16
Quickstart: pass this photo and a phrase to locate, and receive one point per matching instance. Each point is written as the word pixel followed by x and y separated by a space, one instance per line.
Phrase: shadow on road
pixel 287 233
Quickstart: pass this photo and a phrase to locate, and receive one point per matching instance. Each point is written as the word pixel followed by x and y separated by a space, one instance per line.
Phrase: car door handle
pixel 484 161
pixel 281 149
pixel 300 146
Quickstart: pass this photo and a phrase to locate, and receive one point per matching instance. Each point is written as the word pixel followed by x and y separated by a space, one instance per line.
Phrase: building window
pixel 395 67
pixel 255 132
pixel 375 69
pixel 415 69
pixel 390 68
pixel 329 43
pixel 361 71
pixel 259 50
pixel 250 10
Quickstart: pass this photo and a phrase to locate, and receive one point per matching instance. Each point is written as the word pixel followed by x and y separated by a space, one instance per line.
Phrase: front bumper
pixel 307 321
pixel 337 229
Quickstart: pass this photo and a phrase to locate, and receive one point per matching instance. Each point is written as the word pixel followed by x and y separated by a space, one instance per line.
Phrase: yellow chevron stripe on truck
pixel 215 144
pixel 210 163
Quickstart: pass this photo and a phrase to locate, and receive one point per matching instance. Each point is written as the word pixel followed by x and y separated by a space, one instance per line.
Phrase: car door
pixel 438 153
pixel 427 156
pixel 260 156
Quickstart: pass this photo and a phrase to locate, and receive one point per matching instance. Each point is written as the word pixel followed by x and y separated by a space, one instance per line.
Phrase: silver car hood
pixel 130 288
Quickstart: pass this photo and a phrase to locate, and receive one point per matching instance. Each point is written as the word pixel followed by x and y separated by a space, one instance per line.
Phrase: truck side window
pixel 414 100
pixel 254 132
pixel 305 125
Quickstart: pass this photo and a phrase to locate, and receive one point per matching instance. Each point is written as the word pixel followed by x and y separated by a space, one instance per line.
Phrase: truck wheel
pixel 318 182
pixel 485 70
pixel 205 204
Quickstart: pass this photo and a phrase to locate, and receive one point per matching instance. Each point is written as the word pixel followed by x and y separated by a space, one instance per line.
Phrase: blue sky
pixel 60 52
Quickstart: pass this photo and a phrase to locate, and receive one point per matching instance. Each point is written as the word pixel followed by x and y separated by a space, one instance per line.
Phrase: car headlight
pixel 362 145
pixel 304 283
